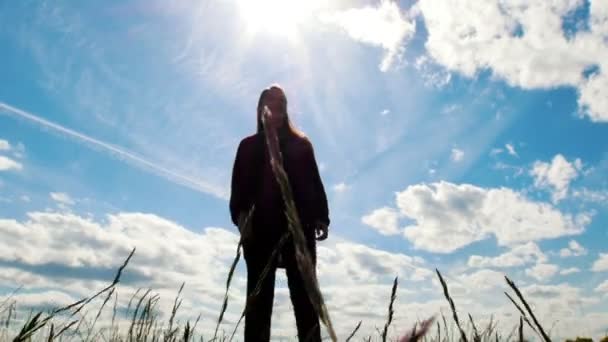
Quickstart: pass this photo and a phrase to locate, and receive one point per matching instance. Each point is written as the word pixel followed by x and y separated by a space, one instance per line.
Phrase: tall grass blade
pixel 391 311
pixel 244 228
pixel 523 300
pixel 463 336
pixel 521 329
pixel 476 337
pixel 523 314
pixel 352 334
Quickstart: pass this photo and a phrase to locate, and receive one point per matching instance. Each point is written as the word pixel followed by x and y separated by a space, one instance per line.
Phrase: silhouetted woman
pixel 253 182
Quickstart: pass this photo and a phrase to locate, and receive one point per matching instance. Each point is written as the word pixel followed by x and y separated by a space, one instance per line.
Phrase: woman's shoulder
pixel 249 141
pixel 301 143
pixel 247 146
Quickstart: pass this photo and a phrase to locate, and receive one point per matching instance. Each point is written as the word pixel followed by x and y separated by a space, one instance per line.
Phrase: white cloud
pixel 72 240
pixel 523 43
pixel 496 151
pixel 511 150
pixel 62 198
pixel 19 150
pixel 168 254
pixel 603 287
pixel 385 112
pixel 25 198
pixel 456 155
pixel 483 279
pixel 341 187
pixel 556 175
pixel 7 164
pixel 517 256
pixel 570 270
pixel 573 249
pixel 449 216
pixel 601 264
pixel 542 272
pixel 385 26
pixel 434 75
pixel 384 220
pixel 593 196
pixel 85 254
pixel 4 145
pixel 366 265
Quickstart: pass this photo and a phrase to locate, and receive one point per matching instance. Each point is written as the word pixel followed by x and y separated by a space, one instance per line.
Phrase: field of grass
pixel 140 321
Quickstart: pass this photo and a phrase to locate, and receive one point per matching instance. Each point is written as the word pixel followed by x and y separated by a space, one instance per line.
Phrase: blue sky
pixel 476 143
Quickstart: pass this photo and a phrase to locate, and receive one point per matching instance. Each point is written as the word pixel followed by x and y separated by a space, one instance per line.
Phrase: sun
pixel 278 17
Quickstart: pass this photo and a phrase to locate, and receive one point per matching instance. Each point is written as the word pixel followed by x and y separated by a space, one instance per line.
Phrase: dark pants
pixel 259 308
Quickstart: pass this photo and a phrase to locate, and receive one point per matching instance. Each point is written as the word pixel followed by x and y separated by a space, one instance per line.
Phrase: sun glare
pixel 278 17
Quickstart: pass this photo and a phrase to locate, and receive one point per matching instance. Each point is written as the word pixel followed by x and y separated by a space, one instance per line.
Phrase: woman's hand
pixel 321 231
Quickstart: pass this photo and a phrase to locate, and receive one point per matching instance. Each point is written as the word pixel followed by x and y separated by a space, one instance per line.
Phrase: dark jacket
pixel 253 182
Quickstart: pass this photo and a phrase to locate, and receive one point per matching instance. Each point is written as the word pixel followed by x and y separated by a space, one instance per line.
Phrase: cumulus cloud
pixel 601 264
pixel 573 249
pixel 385 26
pixel 449 216
pixel 483 279
pixel 456 155
pixel 364 264
pixel 523 43
pixel 517 256
pixel 7 164
pixel 556 175
pixel 61 257
pixel 542 272
pixel 384 220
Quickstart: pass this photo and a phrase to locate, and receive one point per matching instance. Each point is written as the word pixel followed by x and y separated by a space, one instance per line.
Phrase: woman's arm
pixel 319 206
pixel 237 191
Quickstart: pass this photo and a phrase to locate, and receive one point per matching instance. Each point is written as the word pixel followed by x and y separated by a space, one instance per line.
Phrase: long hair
pixel 288 126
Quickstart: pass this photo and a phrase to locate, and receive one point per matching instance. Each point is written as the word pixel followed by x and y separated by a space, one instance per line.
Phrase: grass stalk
pixel 523 300
pixel 446 293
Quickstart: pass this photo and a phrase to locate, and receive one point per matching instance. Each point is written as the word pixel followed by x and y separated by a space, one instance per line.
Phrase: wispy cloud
pixel 62 198
pixel 457 155
pixel 119 152
pixel 4 145
pixel 341 187
pixel 511 149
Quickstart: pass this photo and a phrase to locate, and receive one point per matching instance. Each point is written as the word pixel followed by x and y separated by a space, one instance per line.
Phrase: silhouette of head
pixel 274 98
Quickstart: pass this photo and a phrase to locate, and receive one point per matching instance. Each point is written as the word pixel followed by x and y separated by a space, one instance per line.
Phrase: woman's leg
pixel 259 307
pixel 307 318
